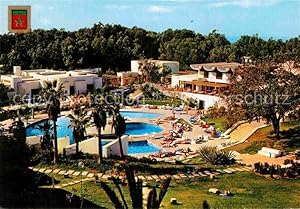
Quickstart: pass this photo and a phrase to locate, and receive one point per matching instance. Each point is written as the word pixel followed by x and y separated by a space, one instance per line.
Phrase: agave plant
pixel 226 157
pixel 216 157
pixel 136 193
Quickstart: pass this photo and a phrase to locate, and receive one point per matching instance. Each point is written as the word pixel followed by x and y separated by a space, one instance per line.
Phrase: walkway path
pixel 249 159
pixel 244 131
pixel 89 176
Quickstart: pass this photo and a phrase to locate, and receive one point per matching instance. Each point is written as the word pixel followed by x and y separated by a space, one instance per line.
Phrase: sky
pixel 279 19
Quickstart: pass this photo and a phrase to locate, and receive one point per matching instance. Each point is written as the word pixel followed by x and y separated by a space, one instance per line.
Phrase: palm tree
pixel 113 110
pixel 46 139
pixel 3 94
pixel 100 119
pixel 79 121
pixel 25 113
pixel 19 130
pixel 120 130
pixel 52 93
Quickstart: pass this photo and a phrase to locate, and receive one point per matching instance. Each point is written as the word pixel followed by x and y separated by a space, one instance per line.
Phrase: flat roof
pixel 219 66
pixel 185 72
pixel 173 61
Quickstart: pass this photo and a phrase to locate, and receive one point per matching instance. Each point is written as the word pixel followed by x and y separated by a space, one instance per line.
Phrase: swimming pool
pixel 140 147
pixel 62 129
pixel 145 115
pixel 142 129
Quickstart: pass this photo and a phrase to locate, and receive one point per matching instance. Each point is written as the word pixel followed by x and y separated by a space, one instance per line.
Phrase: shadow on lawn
pixel 289 138
pixel 33 196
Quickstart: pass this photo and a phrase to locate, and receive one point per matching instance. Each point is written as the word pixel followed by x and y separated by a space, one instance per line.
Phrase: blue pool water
pixel 62 129
pixel 145 115
pixel 140 147
pixel 142 129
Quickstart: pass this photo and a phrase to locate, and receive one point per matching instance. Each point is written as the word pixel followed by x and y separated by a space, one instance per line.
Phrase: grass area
pixel 177 102
pixel 91 190
pixel 219 122
pixel 250 191
pixel 290 139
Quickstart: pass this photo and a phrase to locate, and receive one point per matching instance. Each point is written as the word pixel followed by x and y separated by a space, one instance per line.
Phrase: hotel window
pixel 90 87
pixel 72 90
pixel 219 75
pixel 34 92
pixel 205 74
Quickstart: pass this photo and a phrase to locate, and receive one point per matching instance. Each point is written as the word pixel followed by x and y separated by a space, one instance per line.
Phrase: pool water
pixel 62 129
pixel 142 129
pixel 140 147
pixel 145 115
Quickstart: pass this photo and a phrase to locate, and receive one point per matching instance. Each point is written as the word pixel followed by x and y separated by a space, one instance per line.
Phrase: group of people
pixel 210 129
pixel 197 118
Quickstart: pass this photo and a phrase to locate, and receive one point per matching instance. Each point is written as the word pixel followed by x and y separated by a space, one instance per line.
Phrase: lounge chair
pixel 159 137
pixel 180 108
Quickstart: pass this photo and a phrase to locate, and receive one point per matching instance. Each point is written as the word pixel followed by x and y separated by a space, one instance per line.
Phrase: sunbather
pixel 178 132
pixel 172 117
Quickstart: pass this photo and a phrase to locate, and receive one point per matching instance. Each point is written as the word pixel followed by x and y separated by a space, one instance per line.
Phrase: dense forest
pixel 113 46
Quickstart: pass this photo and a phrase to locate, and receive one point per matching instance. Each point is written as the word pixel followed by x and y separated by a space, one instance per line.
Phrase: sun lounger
pixel 269 152
pixel 159 137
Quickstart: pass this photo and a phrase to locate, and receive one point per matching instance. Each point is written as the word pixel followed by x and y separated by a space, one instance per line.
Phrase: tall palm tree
pixel 100 119
pixel 19 130
pixel 25 113
pixel 113 110
pixel 120 130
pixel 3 94
pixel 79 121
pixel 52 93
pixel 46 138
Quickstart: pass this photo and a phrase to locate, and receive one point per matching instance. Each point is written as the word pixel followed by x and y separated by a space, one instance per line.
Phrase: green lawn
pixel 250 191
pixel 91 191
pixel 290 139
pixel 219 122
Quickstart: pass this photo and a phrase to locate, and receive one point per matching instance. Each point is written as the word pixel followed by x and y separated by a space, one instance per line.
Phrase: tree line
pixel 113 46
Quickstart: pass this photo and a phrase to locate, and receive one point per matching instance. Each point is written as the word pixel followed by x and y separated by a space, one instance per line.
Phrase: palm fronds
pixel 112 196
pixel 79 121
pixel 216 157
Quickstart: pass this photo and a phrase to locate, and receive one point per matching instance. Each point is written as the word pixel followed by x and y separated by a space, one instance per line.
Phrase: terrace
pixel 201 87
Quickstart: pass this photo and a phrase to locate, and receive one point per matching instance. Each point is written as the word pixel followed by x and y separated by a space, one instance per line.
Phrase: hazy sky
pixel 267 18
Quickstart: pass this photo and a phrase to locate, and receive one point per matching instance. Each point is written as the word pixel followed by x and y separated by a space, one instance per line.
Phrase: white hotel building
pixel 206 84
pixel 162 64
pixel 29 82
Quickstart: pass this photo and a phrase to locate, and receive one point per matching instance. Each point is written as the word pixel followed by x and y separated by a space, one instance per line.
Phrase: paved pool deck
pixel 196 130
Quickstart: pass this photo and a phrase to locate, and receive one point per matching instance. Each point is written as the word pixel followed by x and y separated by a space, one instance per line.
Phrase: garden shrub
pixel 216 157
pixel 266 169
